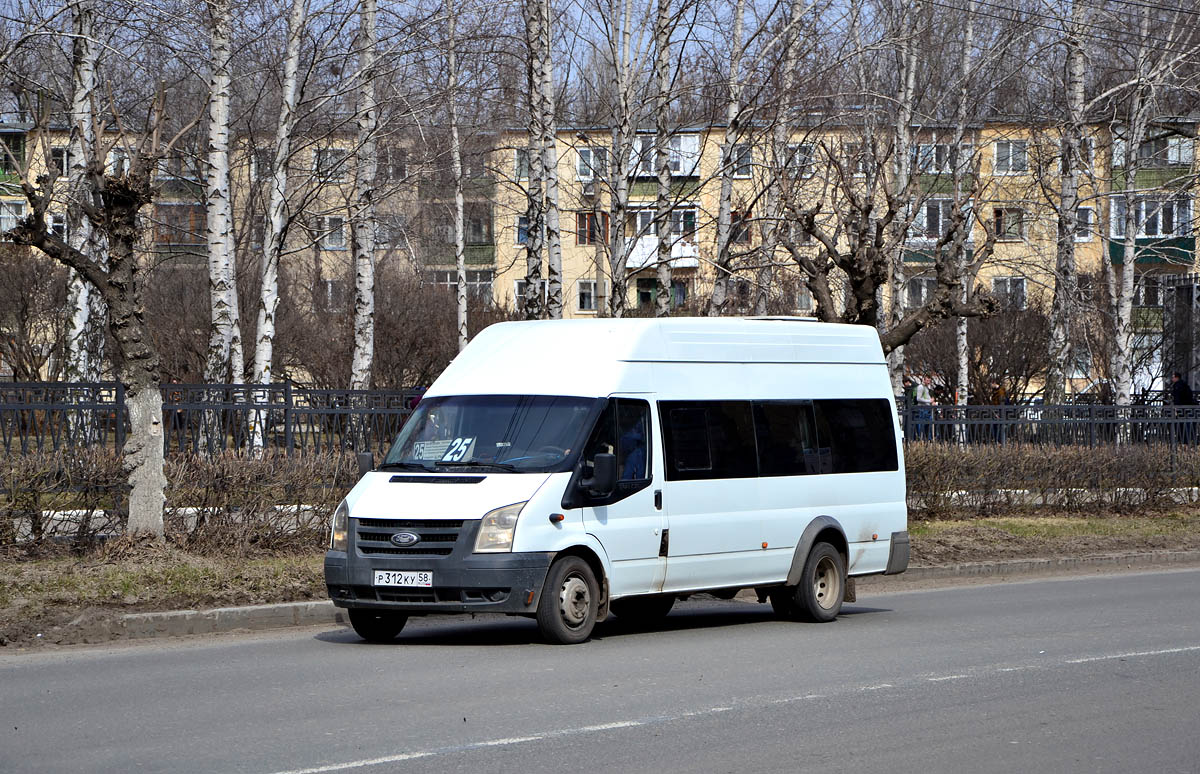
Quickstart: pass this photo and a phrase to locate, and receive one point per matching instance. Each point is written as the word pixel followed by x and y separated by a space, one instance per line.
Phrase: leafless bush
pixel 227 505
pixel 945 479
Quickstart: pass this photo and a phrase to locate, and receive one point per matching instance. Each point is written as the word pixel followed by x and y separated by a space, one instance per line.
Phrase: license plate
pixel 423 578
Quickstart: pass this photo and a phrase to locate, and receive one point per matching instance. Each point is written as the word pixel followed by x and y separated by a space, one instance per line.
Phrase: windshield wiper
pixel 404 466
pixel 477 464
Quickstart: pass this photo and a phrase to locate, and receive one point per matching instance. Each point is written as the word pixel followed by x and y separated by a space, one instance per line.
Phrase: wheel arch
pixel 822 529
pixel 597 564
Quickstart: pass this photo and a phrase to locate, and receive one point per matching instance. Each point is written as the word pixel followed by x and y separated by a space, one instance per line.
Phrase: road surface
pixel 1080 674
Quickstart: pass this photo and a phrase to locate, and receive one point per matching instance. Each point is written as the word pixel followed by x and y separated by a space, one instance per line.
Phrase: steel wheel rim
pixel 827 583
pixel 574 601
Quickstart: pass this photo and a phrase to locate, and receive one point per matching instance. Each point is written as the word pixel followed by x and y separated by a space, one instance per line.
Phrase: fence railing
pixel 204 418
pixel 1068 425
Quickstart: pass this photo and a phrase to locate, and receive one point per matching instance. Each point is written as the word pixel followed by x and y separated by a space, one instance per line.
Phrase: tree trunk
pixel 554 294
pixel 902 166
pixel 733 110
pixel 1066 283
pixel 219 208
pixel 662 202
pixel 273 241
pixel 460 250
pixel 85 326
pixel 363 217
pixel 622 156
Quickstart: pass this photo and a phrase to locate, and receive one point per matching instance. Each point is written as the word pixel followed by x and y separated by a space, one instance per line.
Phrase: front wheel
pixel 377 625
pixel 566 612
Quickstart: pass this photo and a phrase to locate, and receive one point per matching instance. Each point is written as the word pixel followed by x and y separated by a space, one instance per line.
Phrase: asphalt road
pixel 1091 674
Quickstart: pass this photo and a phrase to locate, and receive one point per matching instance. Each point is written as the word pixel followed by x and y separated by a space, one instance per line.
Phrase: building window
pixel 1085 223
pixel 391 164
pixel 800 159
pixel 479 281
pixel 519 289
pixel 645 225
pixel 1146 290
pixel 739 227
pixel 591 228
pixel 592 163
pixel 804 299
pixel 332 233
pixel 1012 156
pixel 919 291
pixel 742 159
pixel 60 157
pixel 856 157
pixel 118 162
pixel 1009 222
pixel 1010 291
pixel 58 225
pixel 12 155
pixel 180 224
pixel 683 154
pixel 262 159
pixel 522 230
pixel 683 223
pixel 1155 217
pixel 330 163
pixel 933 219
pixel 521 163
pixel 10 213
pixel 586 295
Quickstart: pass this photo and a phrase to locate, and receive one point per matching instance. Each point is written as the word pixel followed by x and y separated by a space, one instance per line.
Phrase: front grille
pixel 427 596
pixel 438 536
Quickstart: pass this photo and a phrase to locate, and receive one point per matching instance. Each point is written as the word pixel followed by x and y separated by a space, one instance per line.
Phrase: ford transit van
pixel 566 469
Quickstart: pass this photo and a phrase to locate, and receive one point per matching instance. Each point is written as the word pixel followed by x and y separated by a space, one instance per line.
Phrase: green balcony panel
pixel 681 188
pixel 943 184
pixel 475 255
pixel 1177 251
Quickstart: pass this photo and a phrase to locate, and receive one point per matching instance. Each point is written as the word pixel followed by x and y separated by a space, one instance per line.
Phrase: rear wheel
pixel 377 625
pixel 818 596
pixel 566 612
pixel 643 609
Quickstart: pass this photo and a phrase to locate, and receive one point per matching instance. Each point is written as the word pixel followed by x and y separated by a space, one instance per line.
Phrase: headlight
pixel 339 527
pixel 496 529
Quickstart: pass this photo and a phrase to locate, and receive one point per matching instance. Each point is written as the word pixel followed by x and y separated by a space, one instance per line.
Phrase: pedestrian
pixel 1181 393
pixel 923 395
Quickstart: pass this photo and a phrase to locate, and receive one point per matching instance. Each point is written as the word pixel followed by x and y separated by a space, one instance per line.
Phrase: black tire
pixel 377 625
pixel 566 612
pixel 643 609
pixel 819 594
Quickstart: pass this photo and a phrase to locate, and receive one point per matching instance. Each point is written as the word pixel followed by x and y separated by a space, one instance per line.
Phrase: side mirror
pixel 366 463
pixel 604 476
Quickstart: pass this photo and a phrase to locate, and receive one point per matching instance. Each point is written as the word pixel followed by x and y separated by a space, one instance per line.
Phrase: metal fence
pixel 202 418
pixel 1069 425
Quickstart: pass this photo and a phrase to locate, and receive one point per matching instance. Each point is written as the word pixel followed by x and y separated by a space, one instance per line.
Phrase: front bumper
pixel 464 582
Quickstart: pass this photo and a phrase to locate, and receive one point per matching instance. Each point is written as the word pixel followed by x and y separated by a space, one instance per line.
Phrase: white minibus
pixel 566 469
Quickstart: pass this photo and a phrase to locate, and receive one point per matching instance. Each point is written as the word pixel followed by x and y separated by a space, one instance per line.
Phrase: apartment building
pixel 1010 173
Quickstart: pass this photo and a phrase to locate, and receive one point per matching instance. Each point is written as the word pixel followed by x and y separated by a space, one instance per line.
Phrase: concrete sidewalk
pixel 178 623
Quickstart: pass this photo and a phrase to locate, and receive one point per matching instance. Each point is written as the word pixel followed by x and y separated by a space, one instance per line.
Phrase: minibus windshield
pixel 512 433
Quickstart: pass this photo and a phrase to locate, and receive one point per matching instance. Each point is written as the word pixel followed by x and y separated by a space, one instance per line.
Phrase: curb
pixel 178 623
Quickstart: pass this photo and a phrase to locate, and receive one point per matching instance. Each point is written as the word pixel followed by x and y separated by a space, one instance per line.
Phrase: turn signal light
pixel 556 518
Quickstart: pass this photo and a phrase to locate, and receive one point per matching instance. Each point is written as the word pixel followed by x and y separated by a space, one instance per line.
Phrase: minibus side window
pixel 709 439
pixel 622 429
pixel 787 438
pixel 860 433
pixel 633 423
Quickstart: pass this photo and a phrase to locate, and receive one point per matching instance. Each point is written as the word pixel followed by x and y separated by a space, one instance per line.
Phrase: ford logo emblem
pixel 405 539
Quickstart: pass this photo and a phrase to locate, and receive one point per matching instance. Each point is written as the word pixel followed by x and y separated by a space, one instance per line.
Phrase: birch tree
pixel 456 168
pixel 663 25
pixel 224 348
pixel 85 326
pixel 363 213
pixel 733 115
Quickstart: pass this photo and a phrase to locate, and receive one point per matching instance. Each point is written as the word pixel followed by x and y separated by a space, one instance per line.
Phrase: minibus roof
pixel 602 356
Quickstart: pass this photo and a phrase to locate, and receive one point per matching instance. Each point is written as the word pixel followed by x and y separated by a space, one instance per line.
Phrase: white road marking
pixel 750 704
pixel 1135 654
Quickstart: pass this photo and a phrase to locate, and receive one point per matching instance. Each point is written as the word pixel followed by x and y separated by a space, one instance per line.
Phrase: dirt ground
pixel 62 599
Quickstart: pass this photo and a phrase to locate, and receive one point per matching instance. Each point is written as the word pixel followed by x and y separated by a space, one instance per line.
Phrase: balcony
pixel 1177 251
pixel 684 254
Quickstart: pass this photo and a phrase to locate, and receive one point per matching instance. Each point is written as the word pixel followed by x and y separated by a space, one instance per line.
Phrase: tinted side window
pixel 787 438
pixel 709 439
pixel 859 433
pixel 633 424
